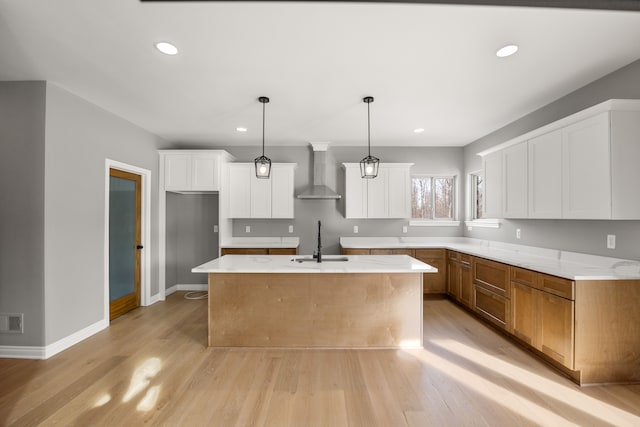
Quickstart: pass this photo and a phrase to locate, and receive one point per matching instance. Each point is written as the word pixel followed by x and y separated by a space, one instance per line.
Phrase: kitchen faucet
pixel 318 254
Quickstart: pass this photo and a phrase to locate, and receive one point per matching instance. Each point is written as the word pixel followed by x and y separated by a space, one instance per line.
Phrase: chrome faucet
pixel 318 254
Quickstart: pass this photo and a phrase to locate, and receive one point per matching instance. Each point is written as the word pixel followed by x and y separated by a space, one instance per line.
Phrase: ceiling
pixel 427 66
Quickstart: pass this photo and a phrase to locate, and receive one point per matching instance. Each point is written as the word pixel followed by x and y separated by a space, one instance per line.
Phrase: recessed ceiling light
pixel 507 51
pixel 241 129
pixel 167 48
pixel 419 130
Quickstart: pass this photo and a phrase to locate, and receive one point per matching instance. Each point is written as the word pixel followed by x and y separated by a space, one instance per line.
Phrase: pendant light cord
pixel 263 109
pixel 368 129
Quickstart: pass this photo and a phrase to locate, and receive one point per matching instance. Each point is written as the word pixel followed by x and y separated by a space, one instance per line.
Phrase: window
pixel 477 195
pixel 432 198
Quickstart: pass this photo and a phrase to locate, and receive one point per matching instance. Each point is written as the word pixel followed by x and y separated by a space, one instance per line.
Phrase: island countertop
pixel 287 264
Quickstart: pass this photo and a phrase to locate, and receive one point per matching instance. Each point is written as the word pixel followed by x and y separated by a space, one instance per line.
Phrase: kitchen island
pixel 280 301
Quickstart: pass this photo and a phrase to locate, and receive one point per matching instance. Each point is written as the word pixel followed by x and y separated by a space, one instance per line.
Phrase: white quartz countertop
pixel 261 242
pixel 570 265
pixel 284 264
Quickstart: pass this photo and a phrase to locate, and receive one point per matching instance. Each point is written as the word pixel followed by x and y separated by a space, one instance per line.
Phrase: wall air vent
pixel 11 323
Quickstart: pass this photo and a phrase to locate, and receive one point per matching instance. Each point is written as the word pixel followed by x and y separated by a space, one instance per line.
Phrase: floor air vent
pixel 11 323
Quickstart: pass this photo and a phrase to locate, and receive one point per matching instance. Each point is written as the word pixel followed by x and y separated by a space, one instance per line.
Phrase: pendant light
pixel 369 165
pixel 263 163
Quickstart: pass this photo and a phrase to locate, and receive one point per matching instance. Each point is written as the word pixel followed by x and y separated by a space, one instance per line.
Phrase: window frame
pixel 436 221
pixel 473 220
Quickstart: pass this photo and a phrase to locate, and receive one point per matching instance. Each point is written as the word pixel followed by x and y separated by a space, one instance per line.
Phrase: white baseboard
pixel 154 299
pixel 39 352
pixel 185 287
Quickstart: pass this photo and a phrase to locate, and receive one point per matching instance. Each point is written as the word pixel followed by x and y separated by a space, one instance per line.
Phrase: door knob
pixel 139 247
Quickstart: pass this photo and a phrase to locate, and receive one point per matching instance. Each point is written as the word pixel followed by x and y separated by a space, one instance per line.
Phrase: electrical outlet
pixel 611 241
pixel 290 228
pixel 355 229
pixel 215 228
pixel 404 228
pixel 517 233
pixel 247 229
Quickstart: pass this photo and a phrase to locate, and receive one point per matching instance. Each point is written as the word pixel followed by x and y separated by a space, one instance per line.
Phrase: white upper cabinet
pixel 386 196
pixel 586 169
pixel 584 166
pixel 545 175
pixel 515 181
pixel 252 197
pixel 355 193
pixel 493 185
pixel 196 171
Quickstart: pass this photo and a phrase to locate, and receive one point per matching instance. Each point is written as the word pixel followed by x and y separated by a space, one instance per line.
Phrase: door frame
pixel 145 230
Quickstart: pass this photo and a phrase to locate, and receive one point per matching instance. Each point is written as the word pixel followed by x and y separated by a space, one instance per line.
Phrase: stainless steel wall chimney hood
pixel 324 174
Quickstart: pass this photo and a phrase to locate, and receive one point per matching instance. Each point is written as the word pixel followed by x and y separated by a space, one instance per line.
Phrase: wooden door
pixel 125 206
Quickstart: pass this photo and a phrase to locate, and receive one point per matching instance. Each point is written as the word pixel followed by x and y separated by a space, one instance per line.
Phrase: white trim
pixel 483 223
pixel 155 298
pixel 39 352
pixel 145 259
pixel 186 287
pixel 433 223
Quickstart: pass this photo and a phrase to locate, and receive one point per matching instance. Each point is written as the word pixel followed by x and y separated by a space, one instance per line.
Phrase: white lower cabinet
pixel 252 197
pixel 386 196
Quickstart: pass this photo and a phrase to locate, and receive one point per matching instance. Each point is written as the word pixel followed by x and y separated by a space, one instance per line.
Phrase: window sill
pixel 483 223
pixel 433 223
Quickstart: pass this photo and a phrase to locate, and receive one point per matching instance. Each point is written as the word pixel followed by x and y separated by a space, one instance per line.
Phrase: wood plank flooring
pixel 152 367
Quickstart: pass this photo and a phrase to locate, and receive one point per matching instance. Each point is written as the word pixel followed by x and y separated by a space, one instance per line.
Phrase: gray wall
pixel 578 236
pixel 190 239
pixel 79 137
pixel 428 160
pixel 22 112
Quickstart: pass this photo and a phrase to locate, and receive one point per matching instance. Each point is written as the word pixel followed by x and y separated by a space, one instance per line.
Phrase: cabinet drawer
pixel 491 275
pixel 465 259
pixel 491 306
pixel 346 251
pixel 409 252
pixel 526 277
pixel 381 251
pixel 430 253
pixel 244 251
pixel 556 285
pixel 453 255
pixel 283 251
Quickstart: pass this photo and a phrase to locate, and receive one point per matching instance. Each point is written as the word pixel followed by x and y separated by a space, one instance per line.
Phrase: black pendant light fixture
pixel 369 165
pixel 263 163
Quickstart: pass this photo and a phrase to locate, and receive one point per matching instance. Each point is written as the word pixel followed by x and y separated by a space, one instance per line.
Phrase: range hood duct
pixel 324 174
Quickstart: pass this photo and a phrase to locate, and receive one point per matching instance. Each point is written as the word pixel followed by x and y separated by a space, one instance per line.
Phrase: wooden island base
pixel 329 310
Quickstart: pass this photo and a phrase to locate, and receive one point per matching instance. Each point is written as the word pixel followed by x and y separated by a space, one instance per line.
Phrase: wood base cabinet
pixel 491 292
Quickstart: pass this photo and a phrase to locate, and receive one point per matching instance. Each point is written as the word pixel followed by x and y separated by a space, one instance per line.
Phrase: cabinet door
pixel 399 192
pixel 586 169
pixel 466 285
pixel 493 188
pixel 239 191
pixel 453 282
pixel 545 175
pixel 515 181
pixel 356 193
pixel 260 196
pixel 377 202
pixel 434 283
pixel 177 172
pixel 282 191
pixel 555 328
pixel 204 172
pixel 523 312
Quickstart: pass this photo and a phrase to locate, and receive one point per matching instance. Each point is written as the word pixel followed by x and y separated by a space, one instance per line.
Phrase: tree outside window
pixel 432 198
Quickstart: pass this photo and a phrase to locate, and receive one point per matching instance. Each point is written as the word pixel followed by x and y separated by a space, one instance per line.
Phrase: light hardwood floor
pixel 152 367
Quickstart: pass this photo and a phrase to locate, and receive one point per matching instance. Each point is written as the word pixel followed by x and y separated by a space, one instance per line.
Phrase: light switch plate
pixel 290 228
pixel 611 241
pixel 517 233
pixel 355 229
pixel 247 229
pixel 215 228
pixel 404 228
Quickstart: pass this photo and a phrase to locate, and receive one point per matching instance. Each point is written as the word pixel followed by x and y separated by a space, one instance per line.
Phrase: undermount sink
pixel 325 258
